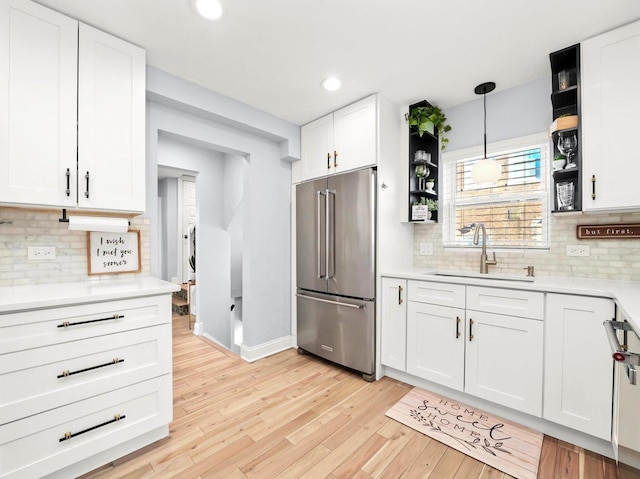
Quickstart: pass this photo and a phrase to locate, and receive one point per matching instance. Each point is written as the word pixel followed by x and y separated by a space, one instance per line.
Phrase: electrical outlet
pixel 578 250
pixel 41 253
pixel 426 249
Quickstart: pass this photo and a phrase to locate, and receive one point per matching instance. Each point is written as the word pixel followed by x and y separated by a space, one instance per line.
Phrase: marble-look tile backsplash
pixel 21 228
pixel 609 259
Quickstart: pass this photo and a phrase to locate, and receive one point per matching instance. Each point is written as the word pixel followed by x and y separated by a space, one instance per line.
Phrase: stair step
pixel 179 301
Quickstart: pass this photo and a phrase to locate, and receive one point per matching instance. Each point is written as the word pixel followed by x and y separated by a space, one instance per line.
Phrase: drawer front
pixel 443 294
pixel 34 329
pixel 35 381
pixel 32 447
pixel 525 304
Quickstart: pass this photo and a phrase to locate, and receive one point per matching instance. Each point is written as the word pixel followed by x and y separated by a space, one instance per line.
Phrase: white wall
pixel 519 111
pixel 189 113
pixel 235 169
pixel 168 194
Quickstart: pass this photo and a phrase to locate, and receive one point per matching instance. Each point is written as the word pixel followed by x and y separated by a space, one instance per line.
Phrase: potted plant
pixel 430 183
pixel 429 118
pixel 559 162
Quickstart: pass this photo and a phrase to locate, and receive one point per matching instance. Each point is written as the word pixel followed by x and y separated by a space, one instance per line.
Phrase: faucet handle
pixel 530 270
pixel 492 261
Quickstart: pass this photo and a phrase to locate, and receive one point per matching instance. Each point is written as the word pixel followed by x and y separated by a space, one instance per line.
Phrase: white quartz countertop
pixel 626 294
pixel 37 296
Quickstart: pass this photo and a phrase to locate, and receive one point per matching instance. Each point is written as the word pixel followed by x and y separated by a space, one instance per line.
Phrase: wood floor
pixel 292 416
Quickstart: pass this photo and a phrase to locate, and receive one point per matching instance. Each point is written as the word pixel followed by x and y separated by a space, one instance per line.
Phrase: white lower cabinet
pixel 497 357
pixel 504 360
pixel 578 376
pixel 435 343
pixel 79 380
pixel 394 323
pixel 44 443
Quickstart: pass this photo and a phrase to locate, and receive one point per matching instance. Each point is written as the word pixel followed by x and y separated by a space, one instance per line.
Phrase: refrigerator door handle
pixel 330 235
pixel 319 236
pixel 348 305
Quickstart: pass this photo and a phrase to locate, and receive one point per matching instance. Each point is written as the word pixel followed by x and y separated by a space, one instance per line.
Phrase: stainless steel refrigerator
pixel 335 256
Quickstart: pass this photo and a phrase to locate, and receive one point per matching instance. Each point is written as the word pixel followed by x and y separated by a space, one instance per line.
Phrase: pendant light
pixel 485 171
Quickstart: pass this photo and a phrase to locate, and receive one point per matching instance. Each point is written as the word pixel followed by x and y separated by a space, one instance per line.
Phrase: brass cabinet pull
pixel 328 161
pixel 335 159
pixel 66 324
pixel 593 187
pixel 69 435
pixel 470 329
pixel 67 373
pixel 457 327
pixel 399 294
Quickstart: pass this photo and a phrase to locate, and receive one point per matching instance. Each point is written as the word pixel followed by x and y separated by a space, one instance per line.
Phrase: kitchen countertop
pixel 38 296
pixel 626 294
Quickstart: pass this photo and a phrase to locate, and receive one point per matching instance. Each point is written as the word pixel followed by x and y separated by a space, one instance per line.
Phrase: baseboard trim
pixel 253 353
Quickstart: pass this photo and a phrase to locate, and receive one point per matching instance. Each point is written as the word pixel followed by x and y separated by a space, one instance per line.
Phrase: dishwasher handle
pixel 619 351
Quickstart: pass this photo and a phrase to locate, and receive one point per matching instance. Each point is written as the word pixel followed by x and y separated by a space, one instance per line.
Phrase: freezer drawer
pixel 339 329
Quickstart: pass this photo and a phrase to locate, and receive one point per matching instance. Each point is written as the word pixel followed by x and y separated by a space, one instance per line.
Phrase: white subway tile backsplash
pixel 21 228
pixel 609 259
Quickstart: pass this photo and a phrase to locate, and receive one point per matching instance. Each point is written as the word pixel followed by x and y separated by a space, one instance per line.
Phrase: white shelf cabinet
pixel 610 69
pixel 394 323
pixel 340 141
pixel 578 376
pixel 72 102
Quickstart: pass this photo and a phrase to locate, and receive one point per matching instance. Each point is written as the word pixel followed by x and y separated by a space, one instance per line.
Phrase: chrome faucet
pixel 484 262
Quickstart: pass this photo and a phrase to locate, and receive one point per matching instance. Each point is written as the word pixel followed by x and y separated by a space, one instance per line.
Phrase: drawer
pixel 525 304
pixel 443 294
pixel 43 327
pixel 35 381
pixel 35 446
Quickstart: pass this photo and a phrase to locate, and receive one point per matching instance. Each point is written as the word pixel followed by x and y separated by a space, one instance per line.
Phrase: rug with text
pixel 506 446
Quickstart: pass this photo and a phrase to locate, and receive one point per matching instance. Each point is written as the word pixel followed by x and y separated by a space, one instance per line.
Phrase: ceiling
pixel 274 54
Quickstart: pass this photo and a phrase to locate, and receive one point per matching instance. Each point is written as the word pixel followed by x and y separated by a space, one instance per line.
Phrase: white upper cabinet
pixel 38 105
pixel 343 140
pixel 111 122
pixel 73 101
pixel 610 100
pixel 317 148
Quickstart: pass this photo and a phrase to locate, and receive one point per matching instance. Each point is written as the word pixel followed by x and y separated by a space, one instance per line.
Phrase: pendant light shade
pixel 485 171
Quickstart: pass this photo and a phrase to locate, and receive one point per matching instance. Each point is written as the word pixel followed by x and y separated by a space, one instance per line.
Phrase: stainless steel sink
pixel 493 276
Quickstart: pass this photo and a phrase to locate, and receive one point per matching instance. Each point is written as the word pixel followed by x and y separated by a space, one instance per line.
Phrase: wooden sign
pixel 113 253
pixel 630 231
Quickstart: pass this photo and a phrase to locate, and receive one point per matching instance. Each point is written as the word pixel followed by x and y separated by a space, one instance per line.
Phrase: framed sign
pixel 113 253
pixel 613 231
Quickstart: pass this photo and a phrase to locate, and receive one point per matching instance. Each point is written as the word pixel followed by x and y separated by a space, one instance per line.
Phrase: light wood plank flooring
pixel 292 416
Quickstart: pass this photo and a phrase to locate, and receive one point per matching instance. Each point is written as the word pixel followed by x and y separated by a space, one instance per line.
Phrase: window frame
pixel 448 207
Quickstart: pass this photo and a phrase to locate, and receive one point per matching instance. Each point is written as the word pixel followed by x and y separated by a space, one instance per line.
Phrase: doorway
pixel 187 221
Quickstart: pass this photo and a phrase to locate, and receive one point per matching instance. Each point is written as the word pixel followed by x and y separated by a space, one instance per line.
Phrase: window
pixel 514 210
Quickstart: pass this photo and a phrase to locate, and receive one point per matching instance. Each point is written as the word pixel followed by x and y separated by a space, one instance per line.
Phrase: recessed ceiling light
pixel 209 9
pixel 330 84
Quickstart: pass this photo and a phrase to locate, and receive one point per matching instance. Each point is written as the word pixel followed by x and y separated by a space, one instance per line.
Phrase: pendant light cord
pixel 484 101
pixel 483 89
